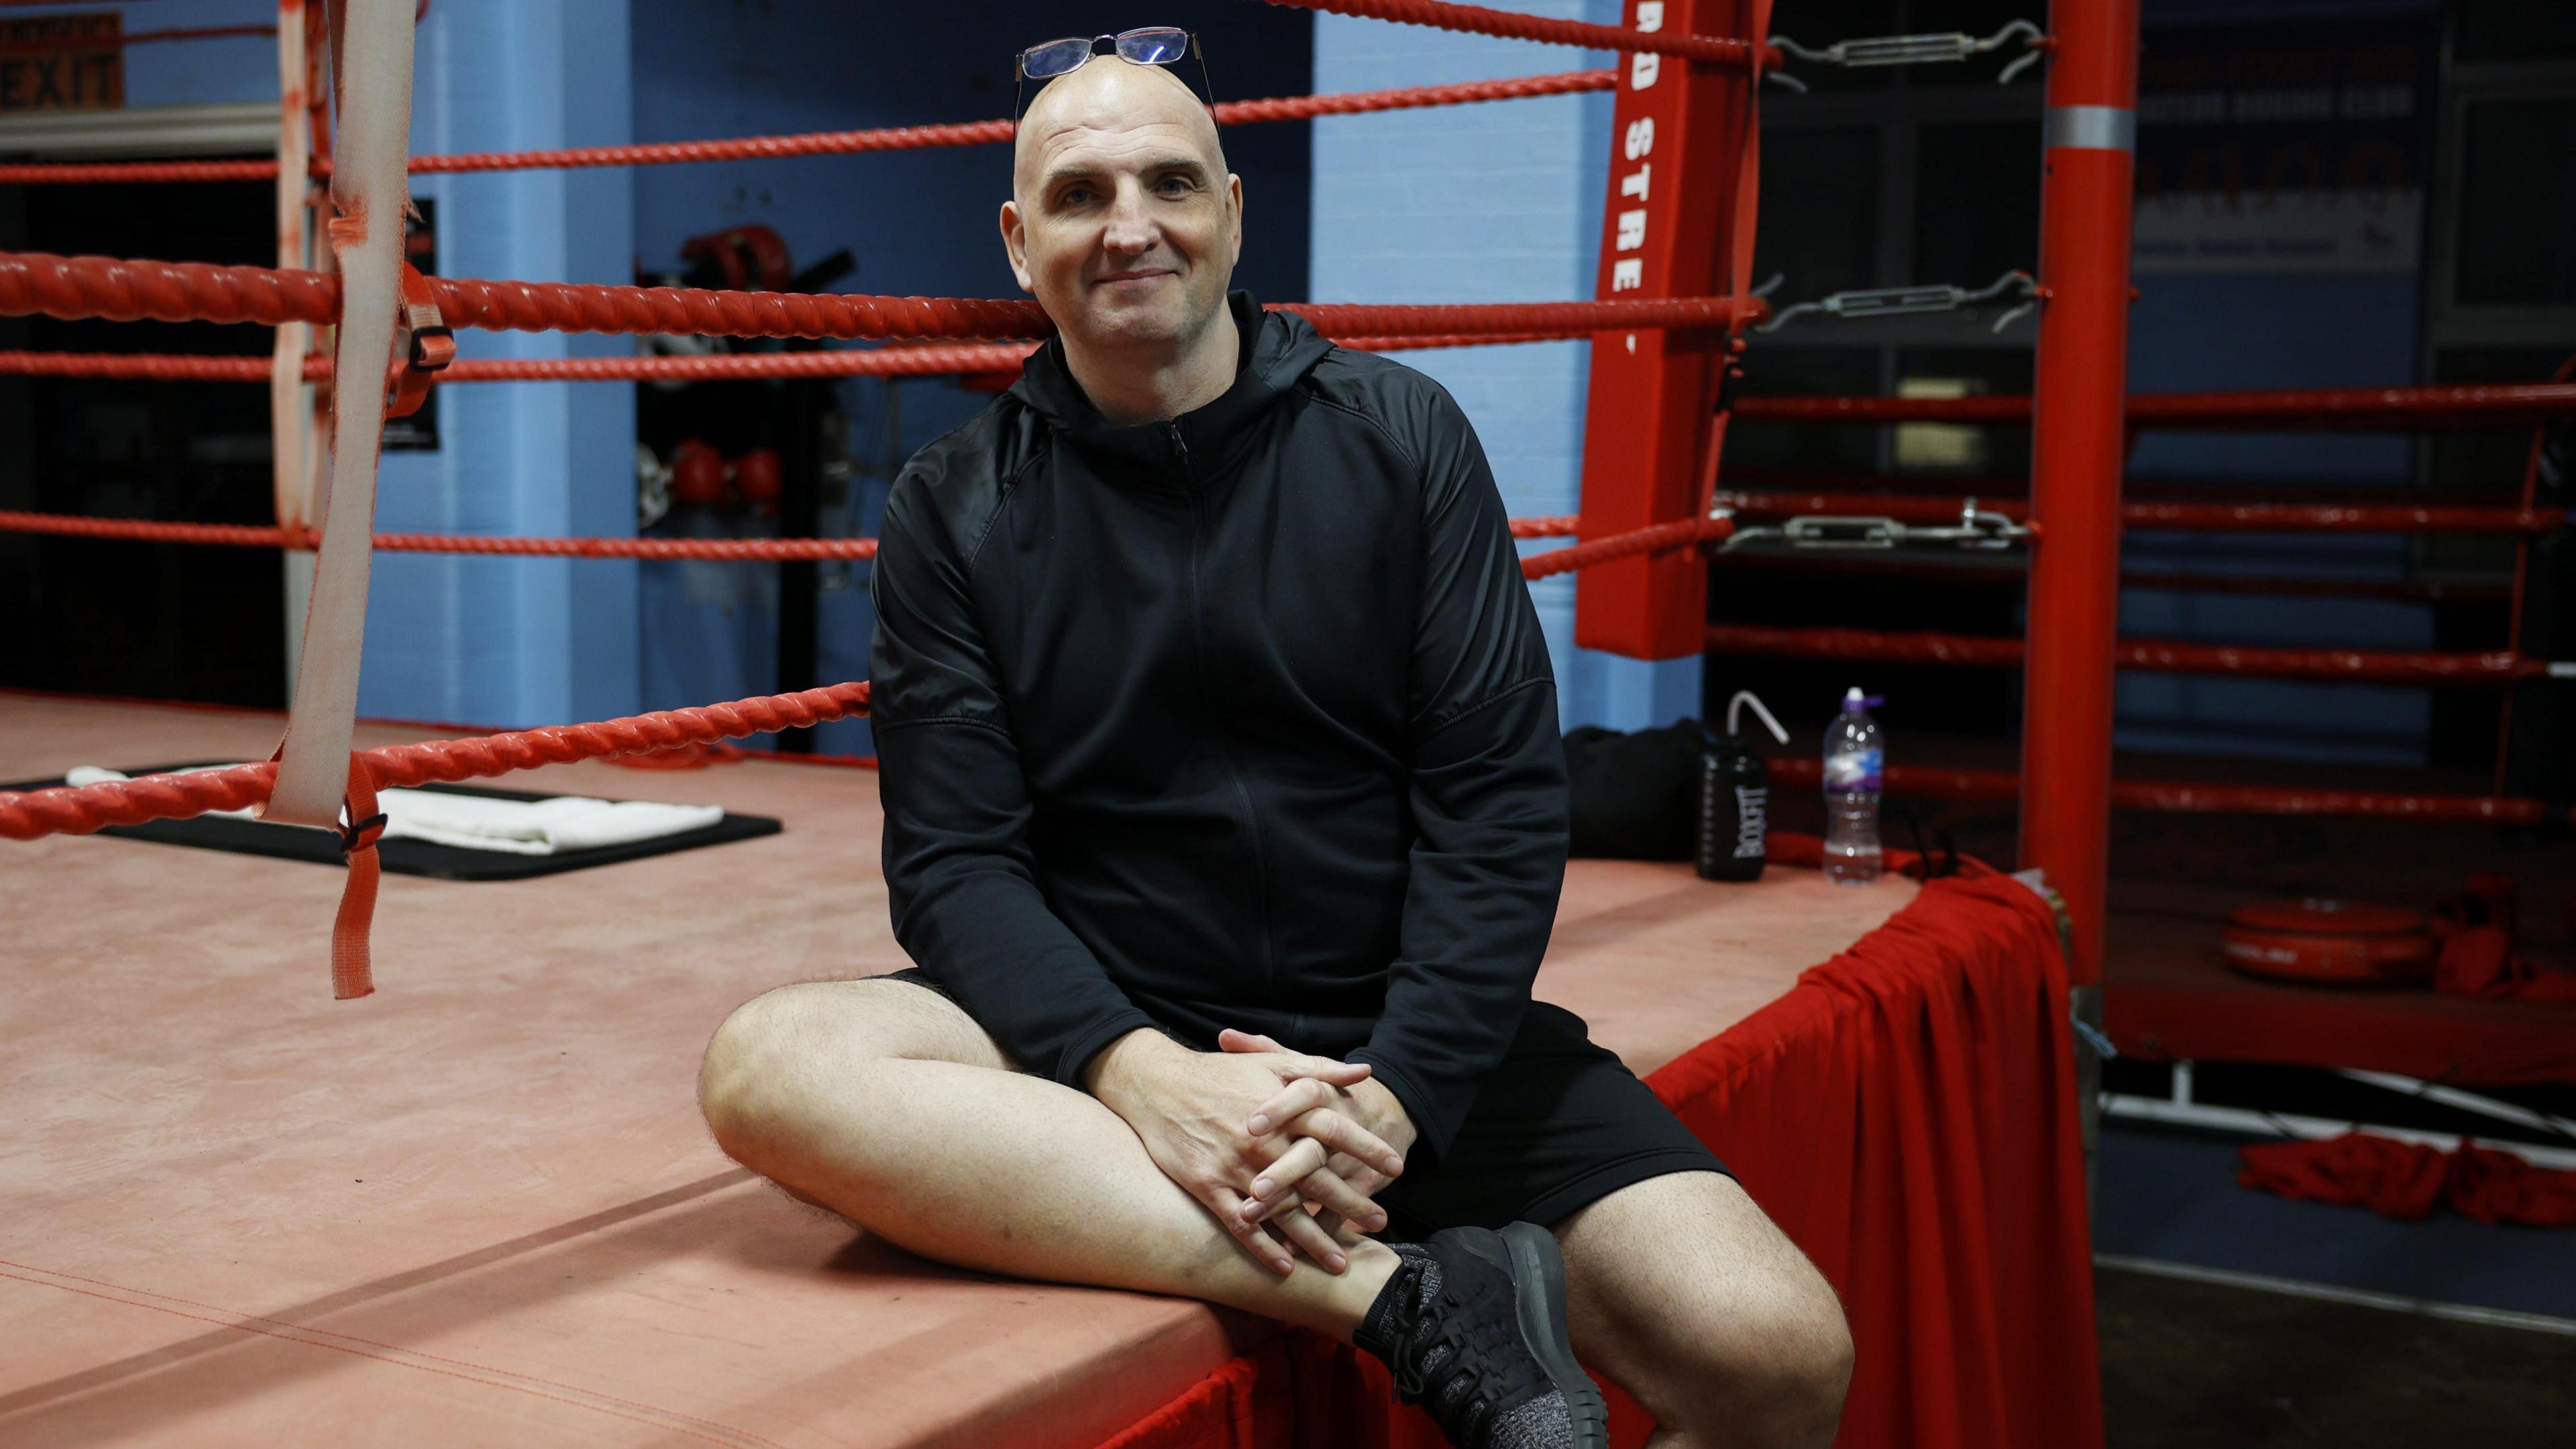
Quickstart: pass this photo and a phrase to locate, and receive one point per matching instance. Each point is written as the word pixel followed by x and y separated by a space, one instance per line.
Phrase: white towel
pixel 513 827
pixel 534 827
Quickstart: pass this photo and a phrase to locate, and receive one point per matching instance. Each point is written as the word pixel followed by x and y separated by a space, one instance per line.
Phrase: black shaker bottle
pixel 1735 800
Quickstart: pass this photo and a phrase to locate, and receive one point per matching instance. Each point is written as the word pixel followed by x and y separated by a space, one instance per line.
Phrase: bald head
pixel 1125 224
pixel 1113 100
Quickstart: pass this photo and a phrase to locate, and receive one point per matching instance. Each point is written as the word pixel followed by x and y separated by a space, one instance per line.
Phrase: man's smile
pixel 1134 277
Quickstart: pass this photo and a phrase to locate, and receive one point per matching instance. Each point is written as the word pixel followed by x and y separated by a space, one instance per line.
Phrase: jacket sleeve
pixel 958 869
pixel 1488 796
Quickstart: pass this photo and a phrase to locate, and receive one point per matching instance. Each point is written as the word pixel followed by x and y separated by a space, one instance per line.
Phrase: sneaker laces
pixel 1475 1380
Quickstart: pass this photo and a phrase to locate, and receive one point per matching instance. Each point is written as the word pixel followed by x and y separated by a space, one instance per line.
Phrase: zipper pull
pixel 1180 446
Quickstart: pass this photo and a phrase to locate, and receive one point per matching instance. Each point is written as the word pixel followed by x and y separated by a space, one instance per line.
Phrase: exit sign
pixel 62 63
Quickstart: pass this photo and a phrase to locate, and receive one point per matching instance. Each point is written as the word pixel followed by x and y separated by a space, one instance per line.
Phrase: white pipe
pixel 2465 1101
pixel 2314 1129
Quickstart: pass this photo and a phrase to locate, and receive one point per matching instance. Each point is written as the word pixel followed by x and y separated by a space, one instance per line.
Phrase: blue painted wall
pixel 1499 202
pixel 516 641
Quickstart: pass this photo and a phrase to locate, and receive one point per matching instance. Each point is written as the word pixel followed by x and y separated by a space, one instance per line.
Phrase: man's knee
pixel 1775 1351
pixel 762 1059
pixel 747 1052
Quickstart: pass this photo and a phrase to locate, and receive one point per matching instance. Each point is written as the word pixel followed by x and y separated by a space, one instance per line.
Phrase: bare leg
pixel 886 1103
pixel 1680 1289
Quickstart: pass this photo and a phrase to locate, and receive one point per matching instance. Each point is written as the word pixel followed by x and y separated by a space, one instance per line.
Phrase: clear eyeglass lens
pixel 1055 57
pixel 1160 45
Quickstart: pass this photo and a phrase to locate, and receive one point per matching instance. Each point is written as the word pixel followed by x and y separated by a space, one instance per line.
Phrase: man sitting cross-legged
pixel 1225 819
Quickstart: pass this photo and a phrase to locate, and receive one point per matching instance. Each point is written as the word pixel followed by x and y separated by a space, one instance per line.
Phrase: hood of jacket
pixel 1278 350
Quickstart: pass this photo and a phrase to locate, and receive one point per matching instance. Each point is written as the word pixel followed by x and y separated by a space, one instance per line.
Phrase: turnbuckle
pixel 1977 529
pixel 1916 50
pixel 1910 301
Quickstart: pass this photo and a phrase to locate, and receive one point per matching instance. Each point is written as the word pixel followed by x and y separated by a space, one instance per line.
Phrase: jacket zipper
pixel 1234 774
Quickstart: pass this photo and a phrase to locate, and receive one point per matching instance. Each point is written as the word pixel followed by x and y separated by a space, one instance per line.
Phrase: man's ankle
pixel 1373 1265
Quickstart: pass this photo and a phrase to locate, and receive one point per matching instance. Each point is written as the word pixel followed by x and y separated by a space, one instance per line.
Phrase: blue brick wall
pixel 1496 202
pixel 510 642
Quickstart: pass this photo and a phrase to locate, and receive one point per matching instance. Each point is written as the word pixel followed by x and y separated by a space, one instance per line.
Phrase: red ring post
pixel 2082 371
pixel 1677 223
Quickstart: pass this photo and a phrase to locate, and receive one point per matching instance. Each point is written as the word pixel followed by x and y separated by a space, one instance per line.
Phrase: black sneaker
pixel 1473 1326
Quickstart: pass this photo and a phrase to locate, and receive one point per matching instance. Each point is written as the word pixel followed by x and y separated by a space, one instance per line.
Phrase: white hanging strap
pixel 371 43
pixel 1744 697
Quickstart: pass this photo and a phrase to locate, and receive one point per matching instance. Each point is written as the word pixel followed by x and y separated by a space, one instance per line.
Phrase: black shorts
pixel 1562 1123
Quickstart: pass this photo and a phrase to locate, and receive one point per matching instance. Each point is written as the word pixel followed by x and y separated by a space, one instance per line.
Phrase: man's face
pixel 1123 220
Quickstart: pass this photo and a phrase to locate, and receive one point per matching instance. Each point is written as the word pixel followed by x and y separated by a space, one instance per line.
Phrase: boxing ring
pixel 481 1208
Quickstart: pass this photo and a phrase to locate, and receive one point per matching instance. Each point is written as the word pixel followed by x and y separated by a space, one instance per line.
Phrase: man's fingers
pixel 1342 1134
pixel 1294 1100
pixel 1341 1229
pixel 1252 1237
pixel 1325 1069
pixel 1339 1199
pixel 1311 1238
pixel 1246 1041
pixel 1285 1171
pixel 1363 1178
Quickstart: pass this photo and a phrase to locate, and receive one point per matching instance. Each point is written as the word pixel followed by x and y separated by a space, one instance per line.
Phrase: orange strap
pixel 351 973
pixel 423 346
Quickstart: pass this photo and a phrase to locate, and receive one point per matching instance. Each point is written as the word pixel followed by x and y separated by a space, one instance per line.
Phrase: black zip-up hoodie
pixel 1240 719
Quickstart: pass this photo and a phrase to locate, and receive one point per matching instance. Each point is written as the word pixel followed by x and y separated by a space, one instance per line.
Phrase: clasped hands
pixel 1283 1148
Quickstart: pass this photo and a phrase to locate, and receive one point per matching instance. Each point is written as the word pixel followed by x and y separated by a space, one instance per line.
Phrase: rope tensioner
pixel 1977 529
pixel 1916 50
pixel 1910 301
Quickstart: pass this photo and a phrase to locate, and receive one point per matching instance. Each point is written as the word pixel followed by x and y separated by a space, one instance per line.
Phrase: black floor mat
pixel 410 857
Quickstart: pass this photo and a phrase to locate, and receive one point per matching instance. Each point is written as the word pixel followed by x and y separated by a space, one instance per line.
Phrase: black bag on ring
pixel 1635 796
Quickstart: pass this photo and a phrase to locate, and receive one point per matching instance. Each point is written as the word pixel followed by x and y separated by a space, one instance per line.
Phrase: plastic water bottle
pixel 1853 767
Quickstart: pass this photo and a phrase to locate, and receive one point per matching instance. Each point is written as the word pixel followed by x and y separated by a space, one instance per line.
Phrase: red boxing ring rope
pixel 2367 666
pixel 78 810
pixel 1477 20
pixel 2472 405
pixel 1923 782
pixel 81 809
pixel 911 360
pixel 258 535
pixel 823 143
pixel 73 288
pixel 1657 538
pixel 49 44
pixel 2205 517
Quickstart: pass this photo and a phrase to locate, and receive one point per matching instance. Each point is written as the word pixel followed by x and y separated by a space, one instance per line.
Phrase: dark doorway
pixel 166 621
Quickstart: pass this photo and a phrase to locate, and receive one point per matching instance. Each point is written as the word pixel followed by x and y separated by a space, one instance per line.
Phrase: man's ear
pixel 1015 243
pixel 1234 198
